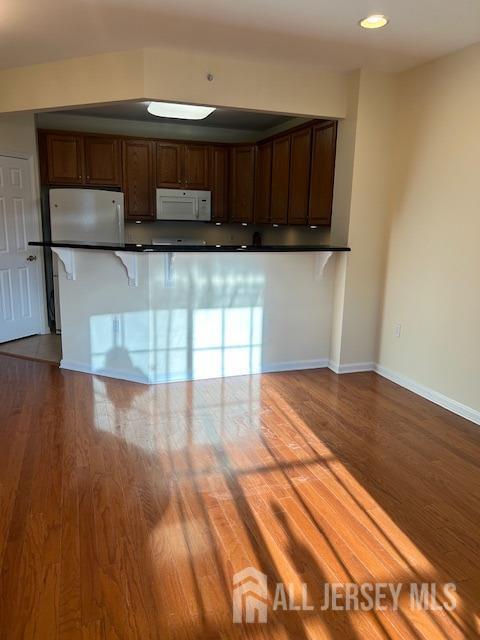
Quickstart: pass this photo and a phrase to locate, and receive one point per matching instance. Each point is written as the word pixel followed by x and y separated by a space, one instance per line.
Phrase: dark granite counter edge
pixel 148 248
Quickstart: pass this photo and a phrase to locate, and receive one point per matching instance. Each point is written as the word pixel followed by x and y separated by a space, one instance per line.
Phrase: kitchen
pixel 217 182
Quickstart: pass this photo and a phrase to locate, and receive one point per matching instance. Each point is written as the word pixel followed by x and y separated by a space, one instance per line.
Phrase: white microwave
pixel 179 204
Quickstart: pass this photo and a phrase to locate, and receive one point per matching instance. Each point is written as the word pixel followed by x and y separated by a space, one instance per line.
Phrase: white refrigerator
pixel 84 215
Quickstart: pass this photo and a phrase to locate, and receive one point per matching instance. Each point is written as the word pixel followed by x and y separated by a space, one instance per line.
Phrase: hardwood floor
pixel 126 509
pixel 43 348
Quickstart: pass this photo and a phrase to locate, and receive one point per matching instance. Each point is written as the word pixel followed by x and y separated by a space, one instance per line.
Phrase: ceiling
pixel 323 32
pixel 220 118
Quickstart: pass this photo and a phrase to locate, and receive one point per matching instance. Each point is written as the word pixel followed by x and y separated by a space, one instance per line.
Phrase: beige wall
pixel 171 74
pixel 433 273
pixel 359 289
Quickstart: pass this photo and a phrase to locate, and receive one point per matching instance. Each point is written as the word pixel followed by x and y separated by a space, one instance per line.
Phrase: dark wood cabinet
pixel 138 179
pixel 242 180
pixel 298 196
pixel 263 178
pixel 182 165
pixel 219 183
pixel 280 180
pixel 102 161
pixel 322 173
pixel 196 173
pixel 169 165
pixel 76 159
pixel 64 158
pixel 285 179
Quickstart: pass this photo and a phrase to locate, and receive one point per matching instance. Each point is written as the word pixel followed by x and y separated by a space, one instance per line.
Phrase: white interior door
pixel 20 313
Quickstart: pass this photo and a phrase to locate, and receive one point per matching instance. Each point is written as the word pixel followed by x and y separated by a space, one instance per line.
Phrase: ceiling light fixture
pixel 179 111
pixel 374 22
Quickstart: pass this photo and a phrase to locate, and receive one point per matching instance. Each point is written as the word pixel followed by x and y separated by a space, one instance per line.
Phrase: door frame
pixel 35 194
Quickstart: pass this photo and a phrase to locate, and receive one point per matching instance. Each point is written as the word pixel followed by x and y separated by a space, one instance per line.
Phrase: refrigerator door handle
pixel 120 223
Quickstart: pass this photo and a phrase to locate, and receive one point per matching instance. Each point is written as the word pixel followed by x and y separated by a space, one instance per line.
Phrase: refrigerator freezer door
pixel 86 215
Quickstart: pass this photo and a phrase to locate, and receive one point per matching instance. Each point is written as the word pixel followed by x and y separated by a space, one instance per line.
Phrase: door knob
pixel 31 258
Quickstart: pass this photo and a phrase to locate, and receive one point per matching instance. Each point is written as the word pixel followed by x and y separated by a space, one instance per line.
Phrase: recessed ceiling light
pixel 374 22
pixel 179 111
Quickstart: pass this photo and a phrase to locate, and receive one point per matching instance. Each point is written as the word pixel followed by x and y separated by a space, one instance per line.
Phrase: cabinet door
pixel 280 180
pixel 300 151
pixel 242 177
pixel 322 174
pixel 65 158
pixel 219 183
pixel 102 161
pixel 263 177
pixel 169 165
pixel 196 166
pixel 138 180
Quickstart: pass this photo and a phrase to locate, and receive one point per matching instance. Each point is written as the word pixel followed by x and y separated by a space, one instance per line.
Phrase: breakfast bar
pixel 153 313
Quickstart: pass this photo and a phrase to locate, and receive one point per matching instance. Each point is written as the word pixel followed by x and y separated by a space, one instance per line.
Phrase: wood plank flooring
pixel 43 348
pixel 125 509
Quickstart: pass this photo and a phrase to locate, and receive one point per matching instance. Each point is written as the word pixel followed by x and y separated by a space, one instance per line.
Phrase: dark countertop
pixel 181 248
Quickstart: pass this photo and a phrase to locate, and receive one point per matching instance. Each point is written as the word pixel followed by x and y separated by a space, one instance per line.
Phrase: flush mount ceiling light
pixel 179 111
pixel 374 22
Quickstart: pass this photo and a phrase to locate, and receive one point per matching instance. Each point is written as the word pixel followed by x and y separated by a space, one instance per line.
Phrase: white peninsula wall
pixel 200 315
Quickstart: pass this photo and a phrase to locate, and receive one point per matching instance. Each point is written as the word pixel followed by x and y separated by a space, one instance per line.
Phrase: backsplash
pixel 226 233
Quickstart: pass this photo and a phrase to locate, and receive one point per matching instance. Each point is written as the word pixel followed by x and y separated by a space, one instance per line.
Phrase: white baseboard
pixel 454 406
pixel 354 367
pixel 297 365
pixel 144 379
pixel 107 373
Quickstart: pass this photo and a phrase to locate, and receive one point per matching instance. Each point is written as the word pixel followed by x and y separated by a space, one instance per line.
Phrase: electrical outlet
pixel 397 330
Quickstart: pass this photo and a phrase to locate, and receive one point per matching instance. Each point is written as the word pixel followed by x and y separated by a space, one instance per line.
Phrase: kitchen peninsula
pixel 154 313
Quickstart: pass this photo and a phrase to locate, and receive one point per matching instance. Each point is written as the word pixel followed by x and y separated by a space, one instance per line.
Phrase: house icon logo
pixel 250 596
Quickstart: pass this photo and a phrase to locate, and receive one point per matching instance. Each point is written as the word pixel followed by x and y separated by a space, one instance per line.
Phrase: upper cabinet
pixel 76 159
pixel 280 180
pixel 182 165
pixel 284 179
pixel 138 176
pixel 219 182
pixel 64 158
pixel 322 173
pixel 300 151
pixel 263 179
pixel 242 179
pixel 196 166
pixel 169 165
pixel 102 161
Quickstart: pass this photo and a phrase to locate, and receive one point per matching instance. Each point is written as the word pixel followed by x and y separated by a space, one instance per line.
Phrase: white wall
pixel 433 275
pixel 17 135
pixel 132 332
